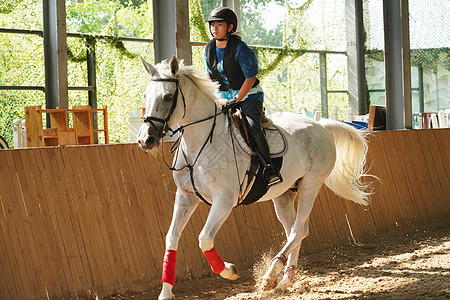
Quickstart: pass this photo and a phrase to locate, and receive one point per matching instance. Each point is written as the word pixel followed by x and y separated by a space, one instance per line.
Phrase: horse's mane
pixel 205 85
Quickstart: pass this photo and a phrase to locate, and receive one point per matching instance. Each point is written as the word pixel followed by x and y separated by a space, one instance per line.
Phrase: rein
pixel 175 146
pixel 163 130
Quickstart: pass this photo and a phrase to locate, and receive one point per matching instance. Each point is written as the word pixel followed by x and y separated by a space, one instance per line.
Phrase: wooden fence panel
pixel 12 227
pixel 89 221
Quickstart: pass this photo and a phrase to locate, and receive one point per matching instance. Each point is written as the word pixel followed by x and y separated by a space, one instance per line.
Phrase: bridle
pixel 161 132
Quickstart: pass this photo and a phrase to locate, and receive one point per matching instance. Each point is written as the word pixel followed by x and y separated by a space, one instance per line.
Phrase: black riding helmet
pixel 223 14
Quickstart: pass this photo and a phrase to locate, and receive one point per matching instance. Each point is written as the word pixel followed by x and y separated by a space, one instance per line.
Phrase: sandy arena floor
pixel 407 266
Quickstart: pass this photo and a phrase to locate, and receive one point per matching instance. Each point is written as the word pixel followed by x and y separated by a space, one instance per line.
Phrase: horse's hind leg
pixel 285 210
pixel 308 190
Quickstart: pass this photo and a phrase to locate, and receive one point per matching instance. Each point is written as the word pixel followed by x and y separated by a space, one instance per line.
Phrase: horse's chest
pixel 203 175
pixel 212 170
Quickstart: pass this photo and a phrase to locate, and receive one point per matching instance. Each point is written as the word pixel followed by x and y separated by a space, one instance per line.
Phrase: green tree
pixel 120 80
pixel 21 61
pixel 7 6
pixel 289 77
pixel 253 31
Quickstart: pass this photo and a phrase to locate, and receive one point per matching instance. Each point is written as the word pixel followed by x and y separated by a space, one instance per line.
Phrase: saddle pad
pixel 259 186
pixel 275 137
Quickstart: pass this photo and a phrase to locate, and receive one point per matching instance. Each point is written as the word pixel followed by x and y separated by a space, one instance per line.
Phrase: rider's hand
pixel 230 104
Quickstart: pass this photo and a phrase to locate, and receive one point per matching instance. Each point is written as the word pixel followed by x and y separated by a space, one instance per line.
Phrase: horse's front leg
pixel 183 209
pixel 219 212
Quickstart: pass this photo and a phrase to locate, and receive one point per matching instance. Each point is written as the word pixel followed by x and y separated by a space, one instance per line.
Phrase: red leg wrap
pixel 170 260
pixel 214 259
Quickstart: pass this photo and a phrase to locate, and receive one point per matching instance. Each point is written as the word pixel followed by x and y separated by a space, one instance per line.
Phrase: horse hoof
pixel 230 272
pixel 269 284
pixel 166 297
pixel 289 278
pixel 285 283
pixel 235 272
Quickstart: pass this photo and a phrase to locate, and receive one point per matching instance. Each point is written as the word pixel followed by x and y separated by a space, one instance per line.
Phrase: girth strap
pixel 197 193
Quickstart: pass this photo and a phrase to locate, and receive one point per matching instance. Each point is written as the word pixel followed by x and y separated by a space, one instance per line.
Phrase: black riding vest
pixel 231 68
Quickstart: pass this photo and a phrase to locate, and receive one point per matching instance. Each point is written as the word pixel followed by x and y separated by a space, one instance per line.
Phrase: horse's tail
pixel 351 148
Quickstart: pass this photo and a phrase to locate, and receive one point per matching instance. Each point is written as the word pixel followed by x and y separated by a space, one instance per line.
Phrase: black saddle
pixel 256 183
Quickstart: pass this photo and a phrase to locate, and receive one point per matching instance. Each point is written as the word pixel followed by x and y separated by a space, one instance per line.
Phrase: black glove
pixel 229 105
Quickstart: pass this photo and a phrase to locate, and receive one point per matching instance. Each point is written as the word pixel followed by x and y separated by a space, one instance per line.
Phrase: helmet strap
pixel 224 39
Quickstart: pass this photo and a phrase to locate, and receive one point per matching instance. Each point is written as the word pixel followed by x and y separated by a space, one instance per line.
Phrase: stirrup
pixel 272 176
pixel 275 180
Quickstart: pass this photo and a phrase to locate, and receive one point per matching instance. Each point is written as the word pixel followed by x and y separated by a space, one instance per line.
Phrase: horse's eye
pixel 167 97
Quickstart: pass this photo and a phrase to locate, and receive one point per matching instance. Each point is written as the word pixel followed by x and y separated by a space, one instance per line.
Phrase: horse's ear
pixel 174 65
pixel 149 69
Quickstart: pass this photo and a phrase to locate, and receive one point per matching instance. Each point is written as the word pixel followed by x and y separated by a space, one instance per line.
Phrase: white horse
pixel 206 165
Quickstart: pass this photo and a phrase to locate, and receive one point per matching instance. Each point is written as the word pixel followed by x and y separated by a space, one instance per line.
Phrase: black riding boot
pixel 271 174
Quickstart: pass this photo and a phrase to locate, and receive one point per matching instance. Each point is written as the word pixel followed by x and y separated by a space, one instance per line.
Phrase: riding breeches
pixel 252 109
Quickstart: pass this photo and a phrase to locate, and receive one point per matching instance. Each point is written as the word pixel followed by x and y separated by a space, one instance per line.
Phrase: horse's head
pixel 161 99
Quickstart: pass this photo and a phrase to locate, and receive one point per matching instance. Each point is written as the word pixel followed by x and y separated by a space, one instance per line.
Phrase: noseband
pixel 162 131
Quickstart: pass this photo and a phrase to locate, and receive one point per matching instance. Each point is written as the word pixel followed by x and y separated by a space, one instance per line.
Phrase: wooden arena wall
pixel 86 221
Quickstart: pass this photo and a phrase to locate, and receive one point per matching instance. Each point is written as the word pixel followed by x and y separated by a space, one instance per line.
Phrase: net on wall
pixel 430 52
